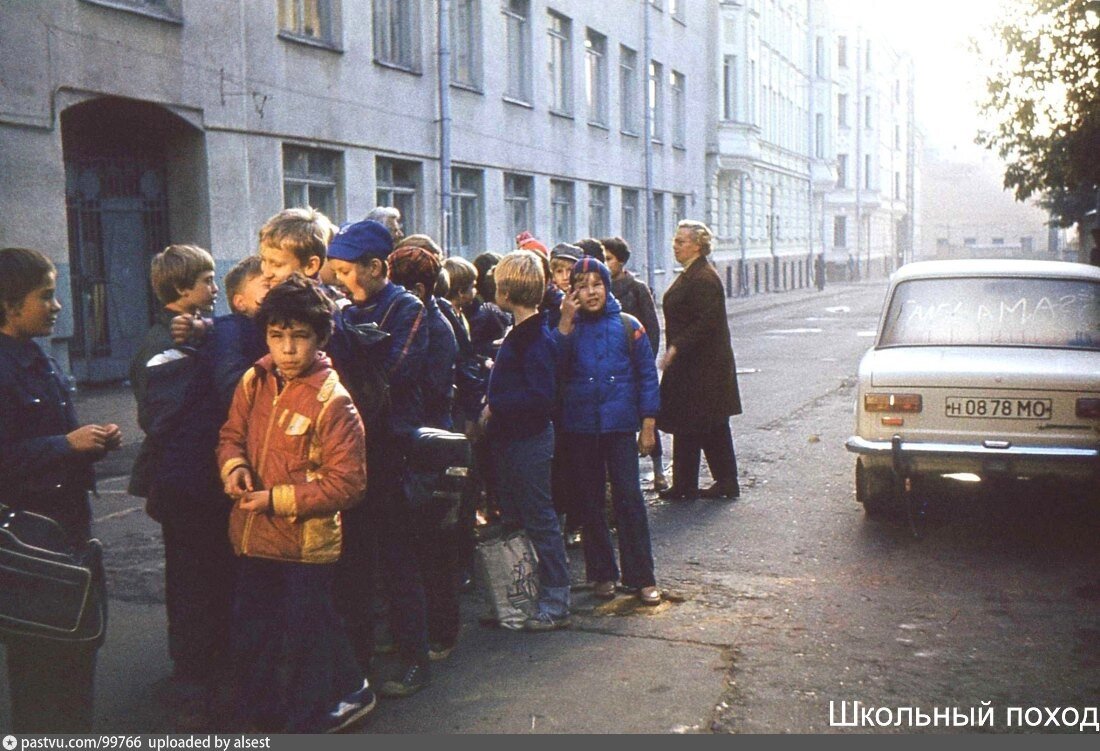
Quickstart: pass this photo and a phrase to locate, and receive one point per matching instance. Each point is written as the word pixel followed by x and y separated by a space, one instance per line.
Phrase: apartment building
pixel 129 124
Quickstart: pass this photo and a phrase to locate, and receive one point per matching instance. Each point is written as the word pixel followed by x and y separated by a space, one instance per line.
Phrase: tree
pixel 1043 99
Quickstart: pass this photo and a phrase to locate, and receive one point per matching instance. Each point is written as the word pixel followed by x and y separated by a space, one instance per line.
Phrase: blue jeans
pixel 614 456
pixel 292 657
pixel 523 487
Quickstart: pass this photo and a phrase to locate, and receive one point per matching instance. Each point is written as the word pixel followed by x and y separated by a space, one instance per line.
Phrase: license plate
pixel 1000 407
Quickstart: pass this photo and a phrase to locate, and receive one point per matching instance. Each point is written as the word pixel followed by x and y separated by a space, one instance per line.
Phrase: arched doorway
pixel 118 189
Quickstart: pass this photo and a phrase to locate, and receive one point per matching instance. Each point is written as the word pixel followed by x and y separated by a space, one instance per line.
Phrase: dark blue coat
pixel 470 373
pixel 487 325
pixel 401 315
pixel 521 385
pixel 439 370
pixel 39 471
pixel 609 376
pixel 233 345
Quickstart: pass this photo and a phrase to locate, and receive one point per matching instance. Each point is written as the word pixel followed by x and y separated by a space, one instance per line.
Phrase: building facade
pixel 812 157
pixel 129 124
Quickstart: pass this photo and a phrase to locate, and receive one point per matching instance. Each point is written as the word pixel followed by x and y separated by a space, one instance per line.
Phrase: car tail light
pixel 892 402
pixel 1088 408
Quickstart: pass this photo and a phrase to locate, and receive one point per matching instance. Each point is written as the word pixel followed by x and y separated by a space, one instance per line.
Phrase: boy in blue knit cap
pixel 610 390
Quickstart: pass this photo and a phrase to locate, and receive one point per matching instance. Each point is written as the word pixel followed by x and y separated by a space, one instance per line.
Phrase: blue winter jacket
pixel 401 315
pixel 609 379
pixel 521 385
pixel 439 372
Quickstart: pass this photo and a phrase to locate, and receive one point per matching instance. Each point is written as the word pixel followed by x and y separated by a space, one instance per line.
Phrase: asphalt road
pixel 783 601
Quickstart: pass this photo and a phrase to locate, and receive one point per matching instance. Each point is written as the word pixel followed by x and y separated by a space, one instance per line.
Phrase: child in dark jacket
pixel 610 390
pixel 520 403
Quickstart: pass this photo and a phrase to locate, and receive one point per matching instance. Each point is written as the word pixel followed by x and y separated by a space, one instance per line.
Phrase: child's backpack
pixel 366 379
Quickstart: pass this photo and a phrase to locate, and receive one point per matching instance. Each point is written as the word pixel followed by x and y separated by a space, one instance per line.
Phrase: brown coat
pixel 699 388
pixel 307 446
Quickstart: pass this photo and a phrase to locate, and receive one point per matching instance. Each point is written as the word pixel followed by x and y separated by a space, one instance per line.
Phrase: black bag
pixel 367 382
pixel 48 590
pixel 435 475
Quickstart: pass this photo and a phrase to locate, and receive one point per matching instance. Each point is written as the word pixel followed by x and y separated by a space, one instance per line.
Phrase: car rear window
pixel 1004 311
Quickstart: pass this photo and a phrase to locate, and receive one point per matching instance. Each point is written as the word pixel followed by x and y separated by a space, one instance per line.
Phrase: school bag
pixel 48 589
pixel 365 377
pixel 437 465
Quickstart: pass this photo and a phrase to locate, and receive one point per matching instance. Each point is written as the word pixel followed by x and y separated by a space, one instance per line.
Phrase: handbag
pixel 506 568
pixel 49 590
pixel 436 470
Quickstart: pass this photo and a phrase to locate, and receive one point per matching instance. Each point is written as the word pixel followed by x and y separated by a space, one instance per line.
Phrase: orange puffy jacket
pixel 307 446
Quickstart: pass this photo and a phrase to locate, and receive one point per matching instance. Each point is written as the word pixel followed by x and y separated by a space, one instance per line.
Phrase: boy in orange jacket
pixel 292 456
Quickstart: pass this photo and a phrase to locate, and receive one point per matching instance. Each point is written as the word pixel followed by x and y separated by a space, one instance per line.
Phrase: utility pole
pixel 647 138
pixel 445 125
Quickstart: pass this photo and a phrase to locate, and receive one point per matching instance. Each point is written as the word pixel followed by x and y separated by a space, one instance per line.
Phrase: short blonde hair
pixel 463 274
pixel 305 232
pixel 519 275
pixel 700 233
pixel 176 268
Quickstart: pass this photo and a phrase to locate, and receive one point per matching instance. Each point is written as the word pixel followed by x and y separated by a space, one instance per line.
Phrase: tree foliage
pixel 1043 102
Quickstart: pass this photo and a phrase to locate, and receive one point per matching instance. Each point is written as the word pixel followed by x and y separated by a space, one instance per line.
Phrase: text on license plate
pixel 1009 407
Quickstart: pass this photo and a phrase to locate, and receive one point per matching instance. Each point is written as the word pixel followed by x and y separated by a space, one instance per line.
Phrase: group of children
pixel 276 434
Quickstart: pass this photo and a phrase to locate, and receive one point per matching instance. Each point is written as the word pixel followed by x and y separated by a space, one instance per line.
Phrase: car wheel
pixel 875 490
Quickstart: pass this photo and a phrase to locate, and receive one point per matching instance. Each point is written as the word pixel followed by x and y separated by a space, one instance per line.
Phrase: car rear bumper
pixel 931 457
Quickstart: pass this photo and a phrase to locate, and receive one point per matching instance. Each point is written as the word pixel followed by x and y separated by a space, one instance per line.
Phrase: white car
pixel 980 368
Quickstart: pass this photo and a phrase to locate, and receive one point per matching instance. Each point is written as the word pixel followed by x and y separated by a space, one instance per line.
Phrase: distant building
pixel 967 213
pixel 129 124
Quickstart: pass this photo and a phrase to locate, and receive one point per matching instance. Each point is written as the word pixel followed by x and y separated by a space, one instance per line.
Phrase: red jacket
pixel 307 446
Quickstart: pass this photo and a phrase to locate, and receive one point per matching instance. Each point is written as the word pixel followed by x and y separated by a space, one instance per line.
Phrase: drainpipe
pixel 650 225
pixel 445 125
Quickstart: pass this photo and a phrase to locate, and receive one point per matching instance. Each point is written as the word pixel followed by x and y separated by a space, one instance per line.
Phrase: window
pixel 842 51
pixel 867 50
pixel 897 136
pixel 560 31
pixel 628 88
pixel 943 242
pixel 397 184
pixel 306 18
pixel 561 207
pixel 819 57
pixel 677 84
pixel 897 185
pixel 599 200
pixel 867 111
pixel 819 135
pixel 970 241
pixel 729 87
pixel 679 209
pixel 629 223
pixel 466 210
pixel 516 15
pixel 1027 244
pixel 840 232
pixel 519 191
pixel 656 103
pixel 867 171
pixel 676 9
pixel 466 42
pixel 311 177
pixel 998 241
pixel 897 90
pixel 595 76
pixel 397 33
pixel 842 110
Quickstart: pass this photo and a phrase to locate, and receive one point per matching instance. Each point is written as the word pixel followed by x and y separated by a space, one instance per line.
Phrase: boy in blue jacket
pixel 519 405
pixel 610 389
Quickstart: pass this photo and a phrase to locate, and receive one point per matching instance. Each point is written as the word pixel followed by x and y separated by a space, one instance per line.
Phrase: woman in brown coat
pixel 699 387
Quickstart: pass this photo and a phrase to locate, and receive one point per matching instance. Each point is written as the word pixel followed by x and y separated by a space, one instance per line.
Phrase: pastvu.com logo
pixel 10 742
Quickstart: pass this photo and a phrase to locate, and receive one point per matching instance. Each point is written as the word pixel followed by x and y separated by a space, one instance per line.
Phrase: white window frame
pixel 629 216
pixel 559 32
pixel 517 21
pixel 729 88
pixel 842 170
pixel 397 34
pixel 467 226
pixel 466 55
pixel 656 102
pixel 595 76
pixel 314 186
pixel 842 110
pixel 599 210
pixel 563 211
pixel 516 199
pixel 677 84
pixel 398 183
pixel 294 20
pixel 628 90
